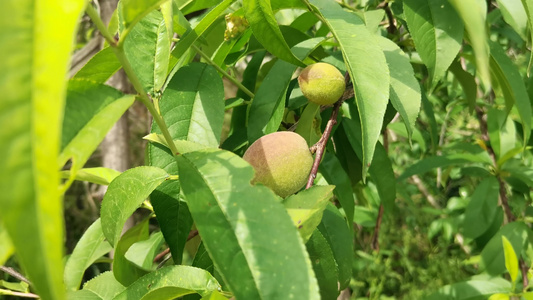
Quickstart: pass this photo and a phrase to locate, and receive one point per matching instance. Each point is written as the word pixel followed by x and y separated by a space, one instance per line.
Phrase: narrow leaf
pixel 473 13
pixel 528 6
pixel 514 14
pixel 86 124
pixel 36 40
pixel 473 289
pixel 98 175
pixel 6 246
pixel 308 125
pixel 100 67
pixel 259 255
pixel 324 265
pixel 367 67
pixel 437 31
pixel 511 261
pixel 147 48
pixel 404 87
pixel 512 85
pixel 169 283
pixel 134 10
pixel 265 28
pixel 124 195
pixel 90 247
pixel 340 238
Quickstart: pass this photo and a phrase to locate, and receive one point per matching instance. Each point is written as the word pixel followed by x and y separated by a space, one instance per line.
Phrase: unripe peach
pixel 322 83
pixel 281 160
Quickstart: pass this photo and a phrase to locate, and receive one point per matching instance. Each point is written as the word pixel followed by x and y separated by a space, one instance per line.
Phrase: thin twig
pixel 375 237
pixel 482 117
pixel 390 17
pixel 18 294
pixel 14 273
pixel 223 72
pixel 320 146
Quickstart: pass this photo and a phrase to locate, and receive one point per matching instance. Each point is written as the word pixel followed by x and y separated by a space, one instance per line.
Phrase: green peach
pixel 281 160
pixel 322 83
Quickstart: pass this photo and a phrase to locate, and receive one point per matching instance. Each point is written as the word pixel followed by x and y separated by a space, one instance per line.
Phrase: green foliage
pixel 422 176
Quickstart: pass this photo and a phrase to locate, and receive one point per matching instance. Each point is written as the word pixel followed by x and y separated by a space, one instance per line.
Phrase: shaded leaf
pixel 308 125
pixel 492 256
pixel 514 14
pixel 142 253
pixel 135 10
pixel 124 270
pixel 340 238
pixel 481 209
pixel 324 266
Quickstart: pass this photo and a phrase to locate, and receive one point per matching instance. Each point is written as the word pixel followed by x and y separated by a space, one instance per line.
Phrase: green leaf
pixel 502 132
pixel 404 89
pixel 193 105
pixel 98 175
pixel 247 232
pixel 368 70
pixel 169 283
pixel 125 271
pixel 90 247
pixel 492 256
pixel 190 6
pixel 528 295
pixel 91 111
pixel 512 86
pixel 324 265
pixel 82 295
pixel 437 32
pixel 105 286
pixel 100 67
pixel 514 14
pixel 467 82
pixel 511 261
pixel 215 295
pixel 381 168
pixel 266 111
pixel 473 289
pixel 306 208
pixel 308 125
pixel 334 174
pixel 189 38
pixel 265 28
pixel 528 6
pixel 6 246
pixel 142 253
pixel 148 50
pixel 474 13
pixel 481 209
pixel 134 10
pixel 433 162
pixel 340 238
pixel 499 296
pixel 202 260
pixel 173 217
pixel 15 286
pixel 36 40
pixel 124 195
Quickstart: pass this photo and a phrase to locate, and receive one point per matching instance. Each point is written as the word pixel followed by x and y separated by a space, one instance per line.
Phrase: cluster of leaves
pixel 450 59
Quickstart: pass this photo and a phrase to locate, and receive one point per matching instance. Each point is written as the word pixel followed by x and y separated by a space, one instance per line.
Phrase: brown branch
pixel 14 273
pixel 375 237
pixel 503 193
pixel 163 253
pixel 390 17
pixel 320 146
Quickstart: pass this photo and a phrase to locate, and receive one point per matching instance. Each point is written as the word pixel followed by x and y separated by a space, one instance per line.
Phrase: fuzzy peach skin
pixel 322 83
